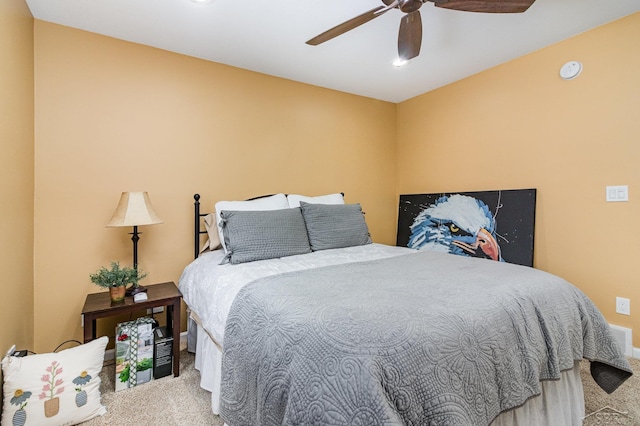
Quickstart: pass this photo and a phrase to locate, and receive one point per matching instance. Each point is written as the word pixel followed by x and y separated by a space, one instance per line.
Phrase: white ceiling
pixel 269 36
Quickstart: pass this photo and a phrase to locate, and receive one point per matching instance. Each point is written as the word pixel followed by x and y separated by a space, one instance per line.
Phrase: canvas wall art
pixel 497 225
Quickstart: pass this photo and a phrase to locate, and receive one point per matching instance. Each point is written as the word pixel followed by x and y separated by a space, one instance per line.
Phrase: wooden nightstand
pixel 98 305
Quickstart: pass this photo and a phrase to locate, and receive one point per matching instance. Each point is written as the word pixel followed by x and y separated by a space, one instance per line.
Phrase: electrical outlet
pixel 623 306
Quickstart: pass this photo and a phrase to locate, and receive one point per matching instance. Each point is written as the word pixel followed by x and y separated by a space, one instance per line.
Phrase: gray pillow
pixel 335 226
pixel 258 235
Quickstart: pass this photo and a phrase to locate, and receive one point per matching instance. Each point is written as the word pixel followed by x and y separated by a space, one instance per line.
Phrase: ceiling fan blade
pixel 410 36
pixel 486 6
pixel 349 25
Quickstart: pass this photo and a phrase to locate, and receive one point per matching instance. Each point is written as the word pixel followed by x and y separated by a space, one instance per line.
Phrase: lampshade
pixel 134 209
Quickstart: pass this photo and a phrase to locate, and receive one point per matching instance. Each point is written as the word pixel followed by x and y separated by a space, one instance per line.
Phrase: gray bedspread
pixel 421 339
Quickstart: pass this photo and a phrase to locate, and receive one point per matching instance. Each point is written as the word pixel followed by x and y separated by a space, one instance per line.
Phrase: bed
pixel 340 330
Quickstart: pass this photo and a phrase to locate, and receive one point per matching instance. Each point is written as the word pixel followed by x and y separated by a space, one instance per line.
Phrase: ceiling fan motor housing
pixel 408 6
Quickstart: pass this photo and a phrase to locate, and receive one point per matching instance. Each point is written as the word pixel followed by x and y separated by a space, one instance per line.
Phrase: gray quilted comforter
pixel 421 339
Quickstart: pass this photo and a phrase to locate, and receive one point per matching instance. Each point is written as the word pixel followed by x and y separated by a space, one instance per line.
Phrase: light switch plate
pixel 617 193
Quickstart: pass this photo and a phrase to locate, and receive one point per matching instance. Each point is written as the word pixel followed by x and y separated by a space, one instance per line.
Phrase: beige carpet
pixel 180 401
pixel 625 399
pixel 168 401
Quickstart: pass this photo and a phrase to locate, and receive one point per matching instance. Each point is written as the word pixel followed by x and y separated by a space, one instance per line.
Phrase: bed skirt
pixel 561 401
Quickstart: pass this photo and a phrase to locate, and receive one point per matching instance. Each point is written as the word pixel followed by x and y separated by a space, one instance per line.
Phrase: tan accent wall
pixel 113 116
pixel 519 125
pixel 16 175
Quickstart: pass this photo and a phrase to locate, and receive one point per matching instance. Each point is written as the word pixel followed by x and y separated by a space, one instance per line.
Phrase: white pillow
pixel 294 199
pixel 61 388
pixel 273 202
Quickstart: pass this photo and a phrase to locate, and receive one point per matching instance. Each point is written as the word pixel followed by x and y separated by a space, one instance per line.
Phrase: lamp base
pixel 132 291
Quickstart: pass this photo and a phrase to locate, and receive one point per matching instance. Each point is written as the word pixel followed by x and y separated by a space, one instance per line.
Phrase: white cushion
pixel 61 388
pixel 294 199
pixel 273 202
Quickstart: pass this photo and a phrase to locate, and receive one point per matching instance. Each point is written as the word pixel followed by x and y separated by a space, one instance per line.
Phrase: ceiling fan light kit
pixel 410 32
pixel 400 62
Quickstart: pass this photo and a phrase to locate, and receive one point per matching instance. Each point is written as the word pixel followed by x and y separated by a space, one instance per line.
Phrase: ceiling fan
pixel 410 34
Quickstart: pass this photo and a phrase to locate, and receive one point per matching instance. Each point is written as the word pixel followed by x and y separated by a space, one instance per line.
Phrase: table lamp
pixel 134 209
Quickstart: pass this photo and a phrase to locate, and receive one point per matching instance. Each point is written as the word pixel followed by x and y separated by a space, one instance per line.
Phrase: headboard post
pixel 196 226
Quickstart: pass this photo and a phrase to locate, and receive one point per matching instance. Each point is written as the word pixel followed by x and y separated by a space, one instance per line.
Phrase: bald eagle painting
pixel 494 225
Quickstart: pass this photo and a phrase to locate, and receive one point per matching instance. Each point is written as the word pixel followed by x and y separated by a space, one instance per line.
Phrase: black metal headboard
pixel 197 225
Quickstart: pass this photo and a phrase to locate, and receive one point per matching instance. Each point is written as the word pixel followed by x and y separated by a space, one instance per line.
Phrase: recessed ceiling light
pixel 201 1
pixel 400 62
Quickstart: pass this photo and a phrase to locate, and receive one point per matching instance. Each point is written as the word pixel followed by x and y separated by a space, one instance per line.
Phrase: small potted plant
pixel 116 279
